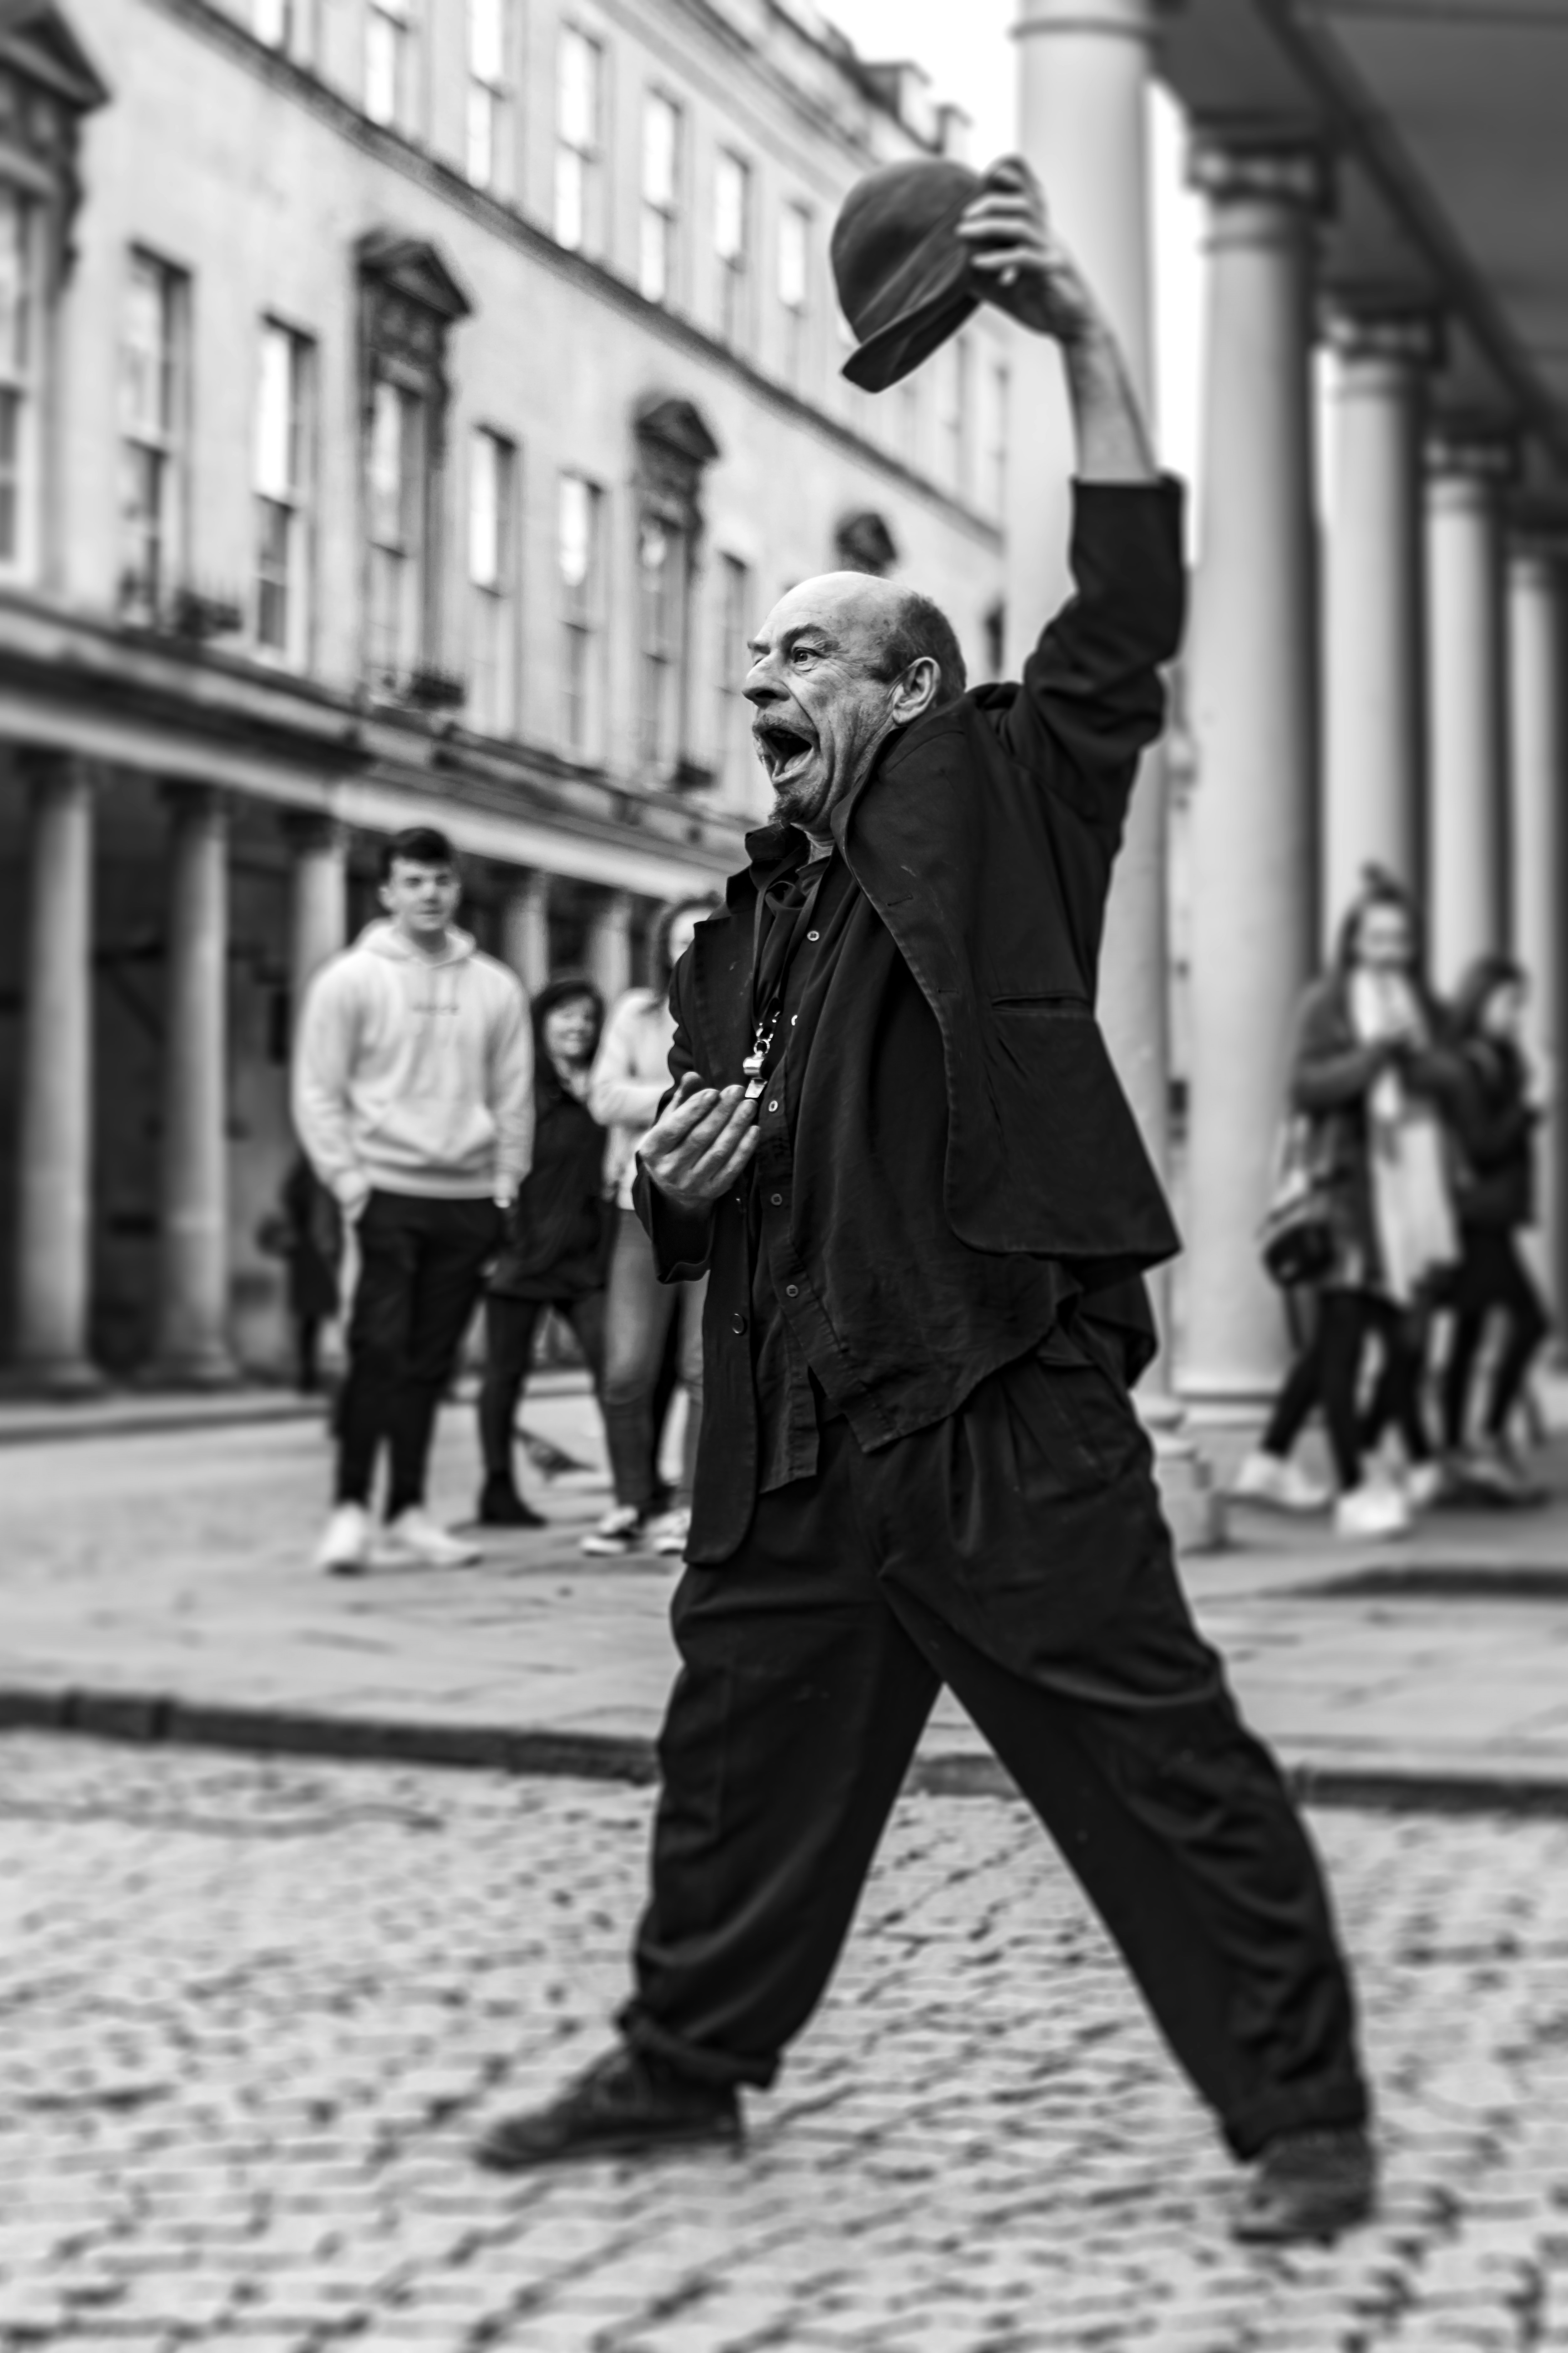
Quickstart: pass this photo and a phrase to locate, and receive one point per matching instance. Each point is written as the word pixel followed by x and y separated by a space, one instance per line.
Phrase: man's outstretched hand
pixel 1019 262
pixel 700 1142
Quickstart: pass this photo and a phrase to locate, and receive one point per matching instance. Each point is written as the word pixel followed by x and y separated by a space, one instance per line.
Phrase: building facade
pixel 406 408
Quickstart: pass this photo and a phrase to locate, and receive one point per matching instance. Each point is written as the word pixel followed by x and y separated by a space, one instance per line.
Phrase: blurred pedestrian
pixel 557 1242
pixel 413 1096
pixel 631 1077
pixel 1372 1072
pixel 1497 1116
pixel 307 1233
pixel 898 1144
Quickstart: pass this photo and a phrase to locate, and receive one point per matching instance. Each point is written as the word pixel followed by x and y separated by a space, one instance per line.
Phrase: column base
pixel 1192 1504
pixel 207 1368
pixel 1239 1403
pixel 56 1377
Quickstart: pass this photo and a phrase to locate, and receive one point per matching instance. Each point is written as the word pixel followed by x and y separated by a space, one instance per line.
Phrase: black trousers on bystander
pixel 422 1266
pixel 1016 1551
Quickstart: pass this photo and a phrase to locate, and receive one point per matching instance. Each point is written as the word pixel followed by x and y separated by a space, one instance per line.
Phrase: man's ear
pixel 917 690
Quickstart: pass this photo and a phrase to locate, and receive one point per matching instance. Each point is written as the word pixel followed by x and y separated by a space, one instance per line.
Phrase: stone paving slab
pixel 171 1568
pixel 254 2013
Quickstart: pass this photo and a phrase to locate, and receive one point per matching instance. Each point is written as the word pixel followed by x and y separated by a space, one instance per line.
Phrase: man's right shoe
pixel 1371 1514
pixel 500 1506
pixel 344 1549
pixel 1309 2185
pixel 620 1531
pixel 1281 1483
pixel 625 2104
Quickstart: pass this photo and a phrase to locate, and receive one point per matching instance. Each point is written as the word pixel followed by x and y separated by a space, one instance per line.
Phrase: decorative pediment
pixel 415 271
pixel 39 46
pixel 678 428
pixel 864 544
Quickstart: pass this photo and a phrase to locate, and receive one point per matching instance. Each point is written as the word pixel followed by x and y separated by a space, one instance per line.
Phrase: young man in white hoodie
pixel 414 1099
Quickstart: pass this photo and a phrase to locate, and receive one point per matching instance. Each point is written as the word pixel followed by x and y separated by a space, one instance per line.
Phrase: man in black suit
pixel 897 1145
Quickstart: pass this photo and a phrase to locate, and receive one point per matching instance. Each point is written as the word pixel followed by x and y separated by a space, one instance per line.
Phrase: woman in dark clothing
pixel 558 1238
pixel 1373 1073
pixel 1496 1121
pixel 307 1232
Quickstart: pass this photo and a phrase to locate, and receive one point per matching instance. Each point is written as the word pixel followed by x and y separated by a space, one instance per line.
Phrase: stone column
pixel 525 930
pixel 1467 726
pixel 54 1222
pixel 1375 670
pixel 318 906
pixel 1253 684
pixel 610 944
pixel 1538 750
pixel 193 1301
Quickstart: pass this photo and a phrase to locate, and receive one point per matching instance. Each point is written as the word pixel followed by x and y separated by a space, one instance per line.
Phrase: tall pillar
pixel 193 1301
pixel 1538 752
pixel 1374 670
pixel 1253 684
pixel 610 944
pixel 525 930
pixel 1466 874
pixel 55 1141
pixel 319 896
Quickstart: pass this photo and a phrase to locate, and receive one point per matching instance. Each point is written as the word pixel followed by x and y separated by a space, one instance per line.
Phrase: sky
pixel 968 52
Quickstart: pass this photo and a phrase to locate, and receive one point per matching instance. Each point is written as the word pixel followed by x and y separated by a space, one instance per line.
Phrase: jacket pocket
pixel 1050 1004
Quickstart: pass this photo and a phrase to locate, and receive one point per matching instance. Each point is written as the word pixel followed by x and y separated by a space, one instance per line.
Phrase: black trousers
pixel 509 1328
pixel 1016 1553
pixel 421 1271
pixel 1328 1373
pixel 1492 1278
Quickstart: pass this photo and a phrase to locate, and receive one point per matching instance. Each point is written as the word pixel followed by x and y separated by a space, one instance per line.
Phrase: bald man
pixel 896 1147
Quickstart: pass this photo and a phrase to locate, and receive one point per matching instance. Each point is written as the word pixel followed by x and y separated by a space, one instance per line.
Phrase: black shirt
pixel 855 1051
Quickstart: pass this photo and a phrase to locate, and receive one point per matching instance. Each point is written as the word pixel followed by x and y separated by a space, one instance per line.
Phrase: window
pixel 731 242
pixel 487 90
pixel 492 666
pixel 395 487
pixel 579 130
pixel 282 553
pixel 660 165
pixel 277 23
pixel 996 438
pixel 732 740
pixel 955 414
pixel 794 248
pixel 663 575
pixel 18 374
pixel 578 533
pixel 151 430
pixel 387 63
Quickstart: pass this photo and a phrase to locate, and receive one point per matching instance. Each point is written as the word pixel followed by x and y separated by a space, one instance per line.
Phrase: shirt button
pixel 777 1200
pixel 814 935
pixel 737 1323
pixel 791 1291
pixel 772 1106
pixel 793 1019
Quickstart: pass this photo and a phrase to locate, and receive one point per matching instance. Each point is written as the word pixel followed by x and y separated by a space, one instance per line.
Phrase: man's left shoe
pixel 500 1506
pixel 625 2104
pixel 1309 2185
pixel 414 1534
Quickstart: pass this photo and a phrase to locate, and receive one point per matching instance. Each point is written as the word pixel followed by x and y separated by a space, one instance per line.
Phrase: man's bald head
pixel 842 662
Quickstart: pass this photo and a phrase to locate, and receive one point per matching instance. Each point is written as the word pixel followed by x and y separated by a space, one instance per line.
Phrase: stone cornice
pixel 1249 164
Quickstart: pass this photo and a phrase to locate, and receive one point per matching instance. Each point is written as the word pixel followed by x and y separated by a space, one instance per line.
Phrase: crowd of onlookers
pixel 1407 1178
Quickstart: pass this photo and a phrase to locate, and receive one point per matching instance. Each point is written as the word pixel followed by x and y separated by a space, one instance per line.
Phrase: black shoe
pixel 623 2105
pixel 500 1506
pixel 1309 2185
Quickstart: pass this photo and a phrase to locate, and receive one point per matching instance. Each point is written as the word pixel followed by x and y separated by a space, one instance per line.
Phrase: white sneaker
pixel 620 1531
pixel 1371 1514
pixel 1425 1484
pixel 1276 1481
pixel 344 1549
pixel 670 1533
pixel 414 1530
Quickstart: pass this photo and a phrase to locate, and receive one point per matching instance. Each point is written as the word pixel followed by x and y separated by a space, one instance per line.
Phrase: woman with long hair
pixel 1497 1120
pixel 1375 1075
pixel 631 1078
pixel 557 1238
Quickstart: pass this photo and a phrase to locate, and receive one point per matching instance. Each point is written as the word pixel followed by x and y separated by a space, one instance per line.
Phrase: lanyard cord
pixel 765 1020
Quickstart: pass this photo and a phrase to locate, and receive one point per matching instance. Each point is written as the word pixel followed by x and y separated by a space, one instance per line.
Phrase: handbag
pixel 1296 1240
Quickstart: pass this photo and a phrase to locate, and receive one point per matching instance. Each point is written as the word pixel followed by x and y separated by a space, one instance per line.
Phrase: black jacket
pixel 1496 1121
pixel 984 837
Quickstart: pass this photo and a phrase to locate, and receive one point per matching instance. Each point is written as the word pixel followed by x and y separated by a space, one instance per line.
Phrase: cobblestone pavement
pixel 254 2014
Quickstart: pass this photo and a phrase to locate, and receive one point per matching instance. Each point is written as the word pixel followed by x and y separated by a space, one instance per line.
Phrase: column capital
pixel 1462 451
pixel 307 829
pixel 49 763
pixel 188 797
pixel 1247 167
pixel 1399 334
pixel 1133 20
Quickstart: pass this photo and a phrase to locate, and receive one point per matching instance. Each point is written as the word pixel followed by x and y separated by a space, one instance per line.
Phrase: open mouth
pixel 783 748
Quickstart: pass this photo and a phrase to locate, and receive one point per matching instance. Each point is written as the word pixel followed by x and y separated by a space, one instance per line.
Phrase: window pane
pixel 275 530
pixel 269 21
pixel 729 209
pixel 383 67
pixel 275 424
pixel 794 227
pixel 146 357
pixel 579 91
pixel 486 39
pixel 10 459
pixel 576 535
pixel 482 112
pixel 661 122
pixel 17 219
pixel 388 460
pixel 486 494
pixel 570 174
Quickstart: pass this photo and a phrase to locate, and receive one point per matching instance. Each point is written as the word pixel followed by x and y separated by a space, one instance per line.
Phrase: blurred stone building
pixel 406 408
